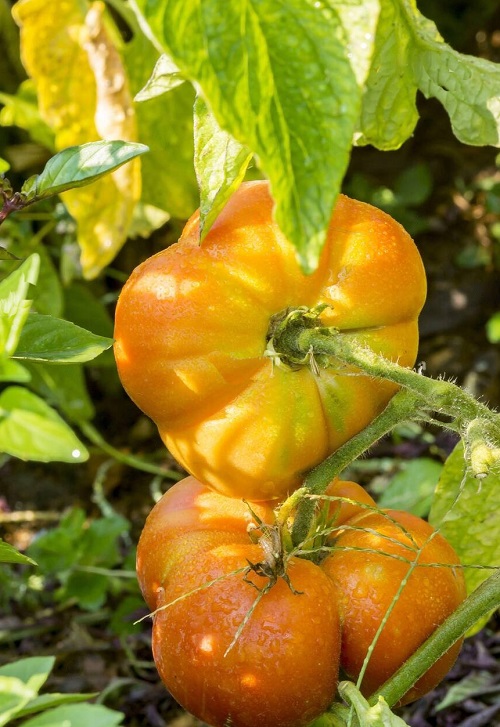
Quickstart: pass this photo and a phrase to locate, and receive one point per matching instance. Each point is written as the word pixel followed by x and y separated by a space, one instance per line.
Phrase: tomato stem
pixel 402 406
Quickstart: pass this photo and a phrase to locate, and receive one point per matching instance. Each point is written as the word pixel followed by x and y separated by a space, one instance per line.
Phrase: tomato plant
pixel 393 566
pixel 194 327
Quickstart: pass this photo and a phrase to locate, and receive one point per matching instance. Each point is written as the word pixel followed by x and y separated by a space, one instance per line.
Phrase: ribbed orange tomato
pixel 191 340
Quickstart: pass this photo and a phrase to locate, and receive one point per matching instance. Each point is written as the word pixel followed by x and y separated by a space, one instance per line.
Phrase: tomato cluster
pixel 247 629
pixel 245 633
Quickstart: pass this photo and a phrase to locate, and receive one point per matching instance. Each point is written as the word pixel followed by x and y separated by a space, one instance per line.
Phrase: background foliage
pixel 279 90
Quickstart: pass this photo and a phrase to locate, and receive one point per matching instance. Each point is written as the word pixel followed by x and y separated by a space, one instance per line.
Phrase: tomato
pixel 351 502
pixel 189 517
pixel 191 340
pixel 282 669
pixel 371 558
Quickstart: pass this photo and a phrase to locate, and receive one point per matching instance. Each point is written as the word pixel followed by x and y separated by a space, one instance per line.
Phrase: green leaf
pixel 14 695
pixel 284 79
pixel 9 554
pixel 466 511
pixel 31 430
pixel 52 340
pixel 63 387
pixel 4 166
pixel 165 124
pixel 57 550
pixel 81 715
pixel 32 670
pixel 21 109
pixel 14 305
pixel 164 78
pixel 410 55
pixel 220 163
pixel 467 687
pixel 13 371
pixel 77 166
pixel 48 701
pixel 412 488
pixel 493 328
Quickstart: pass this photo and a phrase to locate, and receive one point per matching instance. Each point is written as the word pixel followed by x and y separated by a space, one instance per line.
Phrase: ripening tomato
pixel 191 332
pixel 352 499
pixel 281 669
pixel 188 518
pixel 372 556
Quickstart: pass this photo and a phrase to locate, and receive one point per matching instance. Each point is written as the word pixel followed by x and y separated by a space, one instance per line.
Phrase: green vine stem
pixel 401 407
pixel 295 339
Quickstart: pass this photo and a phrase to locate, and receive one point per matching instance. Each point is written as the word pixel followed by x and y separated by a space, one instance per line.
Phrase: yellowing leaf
pixel 84 96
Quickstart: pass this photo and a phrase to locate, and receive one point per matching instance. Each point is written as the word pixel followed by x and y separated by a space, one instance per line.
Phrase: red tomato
pixel 191 340
pixel 371 558
pixel 283 668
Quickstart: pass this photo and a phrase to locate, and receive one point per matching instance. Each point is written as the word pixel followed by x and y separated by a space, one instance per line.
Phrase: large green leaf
pixel 467 512
pixel 285 80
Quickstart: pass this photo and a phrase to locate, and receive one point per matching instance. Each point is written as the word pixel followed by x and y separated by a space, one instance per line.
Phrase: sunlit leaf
pixel 78 166
pixel 14 302
pixel 32 670
pixel 32 430
pixel 80 715
pixel 220 163
pixel 410 55
pixel 164 78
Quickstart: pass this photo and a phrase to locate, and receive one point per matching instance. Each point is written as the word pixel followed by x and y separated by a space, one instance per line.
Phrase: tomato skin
pixel 368 579
pixel 283 668
pixel 190 331
pixel 188 518
pixel 340 511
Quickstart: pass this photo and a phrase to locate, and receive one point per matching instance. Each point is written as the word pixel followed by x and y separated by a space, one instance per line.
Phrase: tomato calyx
pixel 283 335
pixel 272 540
